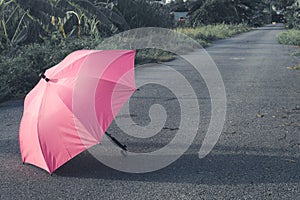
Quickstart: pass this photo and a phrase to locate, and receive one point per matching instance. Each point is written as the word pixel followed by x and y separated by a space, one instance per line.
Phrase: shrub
pixel 289 37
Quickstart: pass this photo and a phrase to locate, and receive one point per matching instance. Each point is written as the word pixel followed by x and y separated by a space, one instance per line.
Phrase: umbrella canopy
pixel 70 109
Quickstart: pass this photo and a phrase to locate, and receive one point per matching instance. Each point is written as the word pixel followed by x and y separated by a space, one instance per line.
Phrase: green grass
pixel 289 37
pixel 153 56
pixel 206 34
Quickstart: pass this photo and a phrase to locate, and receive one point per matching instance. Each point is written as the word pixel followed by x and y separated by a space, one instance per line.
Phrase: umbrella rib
pixel 38 125
pixel 119 83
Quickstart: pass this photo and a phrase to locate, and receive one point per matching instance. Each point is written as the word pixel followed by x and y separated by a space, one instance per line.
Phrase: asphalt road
pixel 256 157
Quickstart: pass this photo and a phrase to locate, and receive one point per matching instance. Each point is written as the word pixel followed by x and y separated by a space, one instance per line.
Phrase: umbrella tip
pixel 43 76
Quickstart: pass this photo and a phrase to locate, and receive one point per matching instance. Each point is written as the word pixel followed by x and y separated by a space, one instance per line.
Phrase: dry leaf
pixel 290 160
pixel 294 67
pixel 260 115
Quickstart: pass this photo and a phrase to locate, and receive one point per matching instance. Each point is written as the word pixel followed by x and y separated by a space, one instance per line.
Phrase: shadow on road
pixel 214 169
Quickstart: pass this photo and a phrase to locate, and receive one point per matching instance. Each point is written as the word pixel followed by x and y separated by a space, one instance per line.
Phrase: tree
pixel 282 4
pixel 290 10
pixel 143 13
pixel 226 11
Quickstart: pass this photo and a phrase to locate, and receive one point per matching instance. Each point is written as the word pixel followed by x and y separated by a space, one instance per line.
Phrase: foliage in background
pixel 28 21
pixel 141 13
pixel 292 15
pixel 20 66
pixel 40 19
pixel 36 34
pixel 289 11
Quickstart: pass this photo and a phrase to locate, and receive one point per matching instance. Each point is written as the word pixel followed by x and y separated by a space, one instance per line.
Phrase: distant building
pixel 169 1
pixel 180 15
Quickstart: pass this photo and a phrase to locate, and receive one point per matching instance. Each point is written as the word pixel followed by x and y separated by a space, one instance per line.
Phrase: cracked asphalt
pixel 256 157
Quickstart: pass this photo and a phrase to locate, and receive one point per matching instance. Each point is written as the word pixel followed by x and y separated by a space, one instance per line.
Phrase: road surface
pixel 256 157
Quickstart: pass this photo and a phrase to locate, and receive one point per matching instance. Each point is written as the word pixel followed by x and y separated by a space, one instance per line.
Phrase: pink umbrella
pixel 70 109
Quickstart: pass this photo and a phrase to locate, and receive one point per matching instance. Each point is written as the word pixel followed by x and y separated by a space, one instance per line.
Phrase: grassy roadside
pixel 204 35
pixel 20 66
pixel 207 34
pixel 291 37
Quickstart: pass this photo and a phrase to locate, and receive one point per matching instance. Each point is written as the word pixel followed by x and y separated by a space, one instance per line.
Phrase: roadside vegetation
pixel 290 37
pixel 37 34
pixel 208 33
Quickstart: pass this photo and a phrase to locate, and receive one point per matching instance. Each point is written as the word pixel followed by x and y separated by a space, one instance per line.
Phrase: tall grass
pixel 206 34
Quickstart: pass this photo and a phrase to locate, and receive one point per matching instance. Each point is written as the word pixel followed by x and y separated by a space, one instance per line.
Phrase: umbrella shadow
pixel 215 169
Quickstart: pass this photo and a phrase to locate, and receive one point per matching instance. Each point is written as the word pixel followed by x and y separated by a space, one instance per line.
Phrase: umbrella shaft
pixel 122 146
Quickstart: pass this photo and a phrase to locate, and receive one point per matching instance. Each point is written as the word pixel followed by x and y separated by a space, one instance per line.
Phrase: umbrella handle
pixel 122 146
